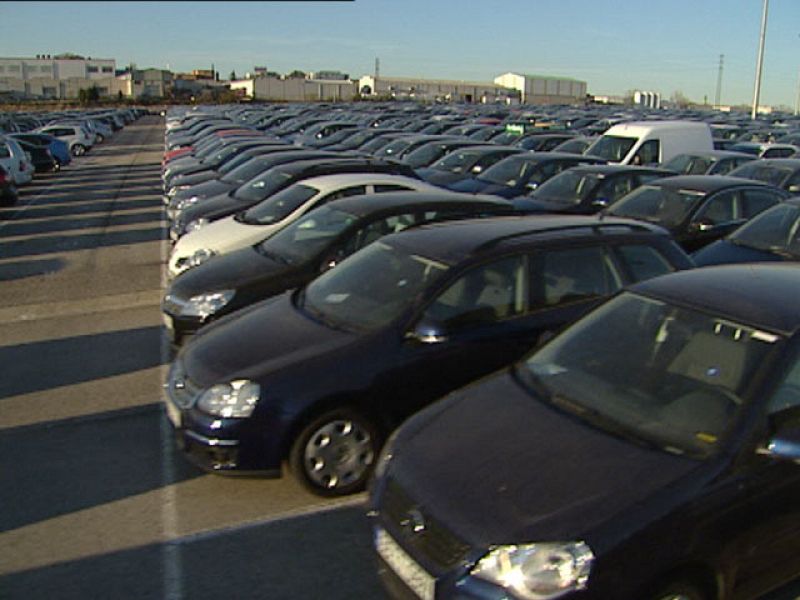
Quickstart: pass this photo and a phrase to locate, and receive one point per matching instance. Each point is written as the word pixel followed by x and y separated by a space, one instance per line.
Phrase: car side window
pixel 756 201
pixel 343 193
pixel 615 188
pixel 572 275
pixel 787 396
pixel 376 230
pixel 648 153
pixel 643 261
pixel 390 187
pixel 719 209
pixel 485 294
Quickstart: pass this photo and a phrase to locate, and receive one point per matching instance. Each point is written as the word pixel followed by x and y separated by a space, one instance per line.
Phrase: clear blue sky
pixel 613 45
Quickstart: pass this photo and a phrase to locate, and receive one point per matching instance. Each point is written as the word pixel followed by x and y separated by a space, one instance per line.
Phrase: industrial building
pixel 58 77
pixel 436 90
pixel 295 89
pixel 539 89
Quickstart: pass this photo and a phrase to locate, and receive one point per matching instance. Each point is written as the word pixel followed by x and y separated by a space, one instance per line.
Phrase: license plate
pixel 414 576
pixel 173 414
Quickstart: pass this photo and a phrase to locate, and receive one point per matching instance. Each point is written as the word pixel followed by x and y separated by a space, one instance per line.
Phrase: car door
pixel 717 216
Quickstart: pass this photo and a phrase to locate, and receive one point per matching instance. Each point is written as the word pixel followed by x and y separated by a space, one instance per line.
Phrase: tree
pixel 680 100
pixel 296 75
pixel 233 76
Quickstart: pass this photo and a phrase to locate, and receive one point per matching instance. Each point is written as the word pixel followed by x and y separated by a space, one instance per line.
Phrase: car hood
pixel 543 205
pixel 257 341
pixel 437 177
pixel 206 189
pixel 195 177
pixel 518 470
pixel 222 236
pixel 470 186
pixel 229 271
pixel 723 252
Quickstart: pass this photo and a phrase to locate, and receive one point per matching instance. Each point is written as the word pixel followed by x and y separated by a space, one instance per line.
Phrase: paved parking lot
pixel 96 501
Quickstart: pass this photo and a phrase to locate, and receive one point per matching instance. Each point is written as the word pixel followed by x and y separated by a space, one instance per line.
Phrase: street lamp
pixel 760 63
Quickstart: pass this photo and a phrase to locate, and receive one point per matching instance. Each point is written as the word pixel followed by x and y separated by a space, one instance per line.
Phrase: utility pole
pixel 760 62
pixel 719 82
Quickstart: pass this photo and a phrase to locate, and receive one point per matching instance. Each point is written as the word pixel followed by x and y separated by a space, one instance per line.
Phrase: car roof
pixel 325 183
pixel 793 163
pixel 469 237
pixel 613 169
pixel 705 183
pixel 718 154
pixel 367 204
pixel 761 295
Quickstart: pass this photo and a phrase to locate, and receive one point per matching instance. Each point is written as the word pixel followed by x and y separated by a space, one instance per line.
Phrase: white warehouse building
pixel 539 89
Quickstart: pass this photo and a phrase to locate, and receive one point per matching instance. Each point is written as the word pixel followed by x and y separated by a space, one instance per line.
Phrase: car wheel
pixel 679 590
pixel 334 454
pixel 100 138
pixel 78 150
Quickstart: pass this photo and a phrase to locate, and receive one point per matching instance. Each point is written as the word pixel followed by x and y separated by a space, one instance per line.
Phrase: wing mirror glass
pixel 428 331
pixel 784 446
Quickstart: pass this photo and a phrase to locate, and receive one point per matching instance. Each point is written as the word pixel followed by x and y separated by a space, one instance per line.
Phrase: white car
pixel 75 136
pixel 16 162
pixel 268 216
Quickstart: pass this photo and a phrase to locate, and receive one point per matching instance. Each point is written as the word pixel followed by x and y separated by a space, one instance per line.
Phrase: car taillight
pixel 3 178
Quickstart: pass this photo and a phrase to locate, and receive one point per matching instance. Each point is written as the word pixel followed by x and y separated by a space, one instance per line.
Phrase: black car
pixel 282 175
pixel 8 190
pixel 710 162
pixel 773 235
pixel 303 249
pixel 428 153
pixel 698 209
pixel 780 172
pixel 543 142
pixel 319 376
pixel 587 189
pixel 42 159
pixel 465 163
pixel 649 452
pixel 522 173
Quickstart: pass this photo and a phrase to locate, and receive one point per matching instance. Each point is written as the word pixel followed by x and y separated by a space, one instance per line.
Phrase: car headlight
pixel 537 571
pixel 234 400
pixel 196 224
pixel 198 258
pixel 385 456
pixel 184 203
pixel 176 188
pixel 204 305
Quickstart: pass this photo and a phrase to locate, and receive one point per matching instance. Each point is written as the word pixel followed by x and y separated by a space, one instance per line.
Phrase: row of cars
pixel 43 142
pixel 629 425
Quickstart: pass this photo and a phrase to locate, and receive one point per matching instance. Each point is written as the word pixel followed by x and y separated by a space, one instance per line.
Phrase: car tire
pixel 334 454
pixel 78 150
pixel 679 590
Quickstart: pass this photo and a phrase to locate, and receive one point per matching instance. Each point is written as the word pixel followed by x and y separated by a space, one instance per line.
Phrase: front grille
pixel 182 390
pixel 435 541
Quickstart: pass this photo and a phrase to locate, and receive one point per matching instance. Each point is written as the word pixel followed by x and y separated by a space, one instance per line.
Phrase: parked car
pixel 8 189
pixel 286 168
pixel 16 162
pixel 78 140
pixel 428 153
pixel 41 158
pixel 465 163
pixel 780 172
pixel 588 188
pixel 712 162
pixel 520 174
pixel 543 142
pixel 698 209
pixel 575 145
pixel 278 210
pixel 58 148
pixel 321 375
pixel 773 235
pixel 766 149
pixel 649 452
pixel 312 244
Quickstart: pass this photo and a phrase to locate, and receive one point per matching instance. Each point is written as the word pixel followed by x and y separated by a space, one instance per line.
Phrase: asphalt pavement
pixel 96 501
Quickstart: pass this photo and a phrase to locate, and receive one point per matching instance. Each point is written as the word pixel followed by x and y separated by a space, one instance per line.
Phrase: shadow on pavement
pixel 20 228
pixel 39 366
pixel 30 268
pixel 326 556
pixel 72 243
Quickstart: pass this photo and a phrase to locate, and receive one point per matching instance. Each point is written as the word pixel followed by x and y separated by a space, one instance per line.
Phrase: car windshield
pixel 261 186
pixel 279 205
pixel 509 171
pixel 759 171
pixel 425 155
pixel 776 230
pixel 244 172
pixel 457 162
pixel 567 188
pixel 664 206
pixel 611 147
pixel 303 239
pixel 355 140
pixel 651 371
pixel 394 148
pixel 687 164
pixel 371 288
pixel 234 163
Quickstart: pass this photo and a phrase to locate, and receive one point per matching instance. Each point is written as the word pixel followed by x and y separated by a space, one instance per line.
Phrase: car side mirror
pixel 428 331
pixel 601 202
pixel 785 445
pixel 703 225
pixel 330 260
pixel 794 188
pixel 532 185
pixel 477 169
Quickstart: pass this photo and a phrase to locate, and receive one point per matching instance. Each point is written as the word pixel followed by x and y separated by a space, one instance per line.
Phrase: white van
pixel 651 142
